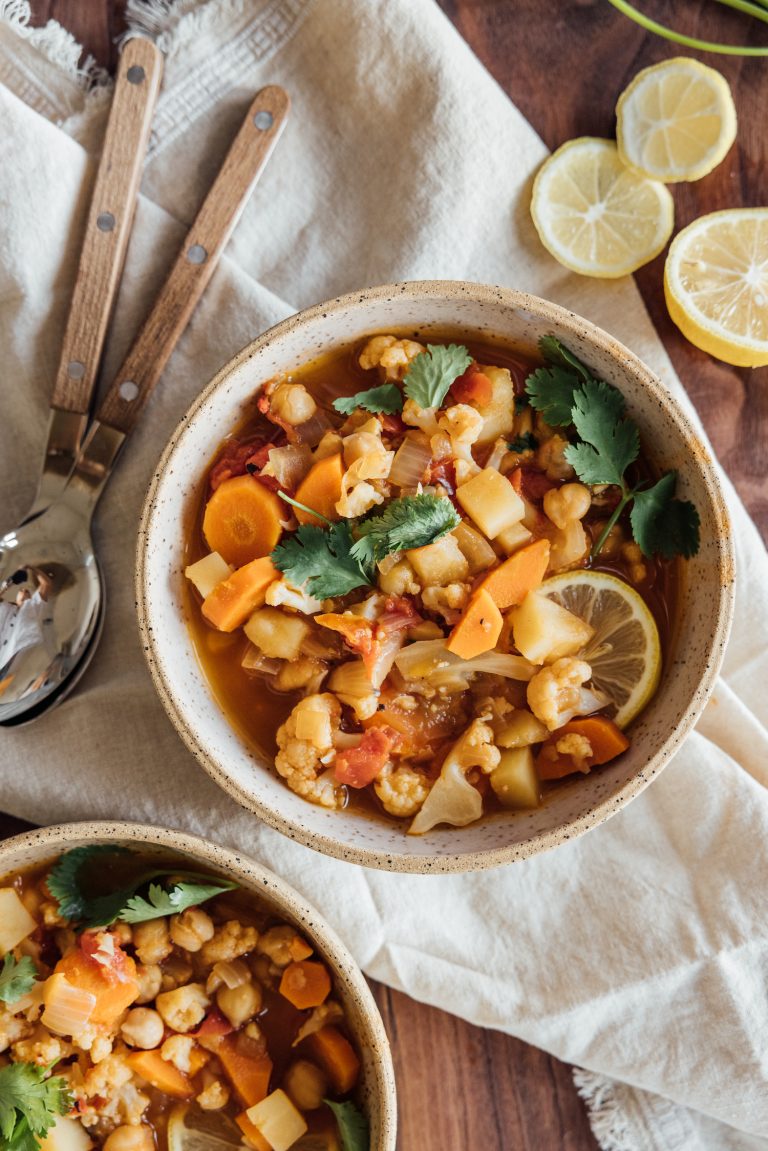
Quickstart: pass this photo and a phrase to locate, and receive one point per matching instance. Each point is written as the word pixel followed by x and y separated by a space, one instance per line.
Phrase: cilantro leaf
pixel 29 1104
pixel 386 398
pixel 550 391
pixel 353 1126
pixel 408 522
pixel 553 352
pixel 162 902
pixel 322 559
pixel 524 443
pixel 16 978
pixel 663 524
pixel 431 373
pixel 611 442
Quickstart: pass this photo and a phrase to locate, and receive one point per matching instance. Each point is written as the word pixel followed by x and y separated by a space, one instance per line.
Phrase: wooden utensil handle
pixel 109 223
pixel 197 259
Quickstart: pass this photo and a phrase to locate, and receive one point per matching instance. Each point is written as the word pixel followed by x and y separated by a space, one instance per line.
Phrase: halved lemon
pixel 716 285
pixel 675 121
pixel 595 215
pixel 192 1129
pixel 625 652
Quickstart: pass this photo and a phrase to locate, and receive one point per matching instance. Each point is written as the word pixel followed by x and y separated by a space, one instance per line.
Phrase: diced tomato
pixel 443 471
pixel 213 1024
pixel 356 631
pixel 268 482
pixel 109 960
pixel 472 387
pixel 241 456
pixel 399 614
pixel 359 766
pixel 532 484
pixel 392 424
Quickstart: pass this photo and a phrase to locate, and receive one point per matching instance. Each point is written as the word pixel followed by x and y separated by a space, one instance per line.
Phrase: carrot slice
pixel 151 1066
pixel 510 582
pixel 605 738
pixel 233 600
pixel 479 627
pixel 242 520
pixel 321 490
pixel 305 984
pixel 115 985
pixel 249 1075
pixel 336 1056
pixel 253 1137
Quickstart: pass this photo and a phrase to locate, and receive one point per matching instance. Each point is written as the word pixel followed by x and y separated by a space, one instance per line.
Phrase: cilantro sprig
pixel 66 885
pixel 321 558
pixel 353 1126
pixel 567 395
pixel 431 373
pixel 386 398
pixel 17 977
pixel 408 522
pixel 29 1105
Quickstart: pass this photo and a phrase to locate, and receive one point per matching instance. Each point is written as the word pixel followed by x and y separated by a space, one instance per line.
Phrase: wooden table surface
pixel 563 65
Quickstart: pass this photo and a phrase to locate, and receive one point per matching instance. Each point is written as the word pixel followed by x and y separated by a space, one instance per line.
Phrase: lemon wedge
pixel 675 121
pixel 595 215
pixel 716 285
pixel 192 1129
pixel 625 652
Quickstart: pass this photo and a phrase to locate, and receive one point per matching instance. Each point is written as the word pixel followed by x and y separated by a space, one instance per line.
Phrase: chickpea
pixel 570 502
pixel 191 929
pixel 306 1084
pixel 631 552
pixel 131 1139
pixel 292 403
pixel 123 933
pixel 239 1003
pixel 150 981
pixel 143 1028
pixel 152 940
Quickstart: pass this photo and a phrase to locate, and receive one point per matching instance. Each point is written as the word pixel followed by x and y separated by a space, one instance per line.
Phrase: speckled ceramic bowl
pixel 377 1092
pixel 490 314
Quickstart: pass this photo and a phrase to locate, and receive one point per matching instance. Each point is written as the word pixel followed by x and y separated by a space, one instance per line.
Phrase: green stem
pixel 302 507
pixel 757 10
pixel 625 499
pixel 679 38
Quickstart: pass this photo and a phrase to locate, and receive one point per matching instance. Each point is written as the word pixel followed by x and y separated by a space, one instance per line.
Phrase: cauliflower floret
pixel 292 404
pixel 153 941
pixel 402 790
pixel 423 418
pixel 577 747
pixel 41 1048
pixel 357 494
pixel 306 745
pixel 366 460
pixel 550 457
pixel 327 1013
pixel 283 945
pixel 391 356
pixel 230 940
pixel 398 578
pixel 185 1007
pixel 446 601
pixel 304 672
pixel 463 424
pixel 283 593
pixel 214 1096
pixel 555 694
pixel 453 799
pixel 12 1028
pixel 177 1050
pixel 109 1092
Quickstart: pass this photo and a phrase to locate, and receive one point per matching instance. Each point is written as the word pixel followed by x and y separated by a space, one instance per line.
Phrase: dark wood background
pixel 462 1088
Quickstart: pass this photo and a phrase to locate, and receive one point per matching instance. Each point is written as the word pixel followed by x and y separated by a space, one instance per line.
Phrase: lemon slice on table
pixel 716 285
pixel 625 652
pixel 595 215
pixel 675 121
pixel 192 1129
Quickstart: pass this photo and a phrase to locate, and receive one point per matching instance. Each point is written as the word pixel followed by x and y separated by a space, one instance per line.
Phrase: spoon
pixel 107 229
pixel 51 586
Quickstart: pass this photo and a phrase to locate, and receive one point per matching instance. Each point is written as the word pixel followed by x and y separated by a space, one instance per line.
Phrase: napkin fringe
pixel 57 45
pixel 608 1122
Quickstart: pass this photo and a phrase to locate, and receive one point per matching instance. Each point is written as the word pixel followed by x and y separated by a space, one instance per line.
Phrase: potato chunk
pixel 15 921
pixel 499 413
pixel 206 573
pixel 514 781
pixel 491 501
pixel 544 631
pixel 277 634
pixel 440 563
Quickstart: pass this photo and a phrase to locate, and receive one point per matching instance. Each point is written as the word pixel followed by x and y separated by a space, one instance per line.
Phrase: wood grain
pixel 462 1088
pixel 197 260
pixel 104 245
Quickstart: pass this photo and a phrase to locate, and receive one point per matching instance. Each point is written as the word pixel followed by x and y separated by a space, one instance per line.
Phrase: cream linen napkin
pixel 640 951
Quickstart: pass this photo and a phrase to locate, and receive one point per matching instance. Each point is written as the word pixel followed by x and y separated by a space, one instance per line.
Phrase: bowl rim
pixel 538 842
pixel 268 884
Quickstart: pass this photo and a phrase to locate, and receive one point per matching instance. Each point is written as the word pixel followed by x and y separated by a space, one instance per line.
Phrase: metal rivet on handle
pixel 75 370
pixel 128 390
pixel 105 221
pixel 263 121
pixel 135 74
pixel 197 254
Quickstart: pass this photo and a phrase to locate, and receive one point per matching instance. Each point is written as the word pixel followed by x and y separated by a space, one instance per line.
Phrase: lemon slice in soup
pixel 192 1129
pixel 625 651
